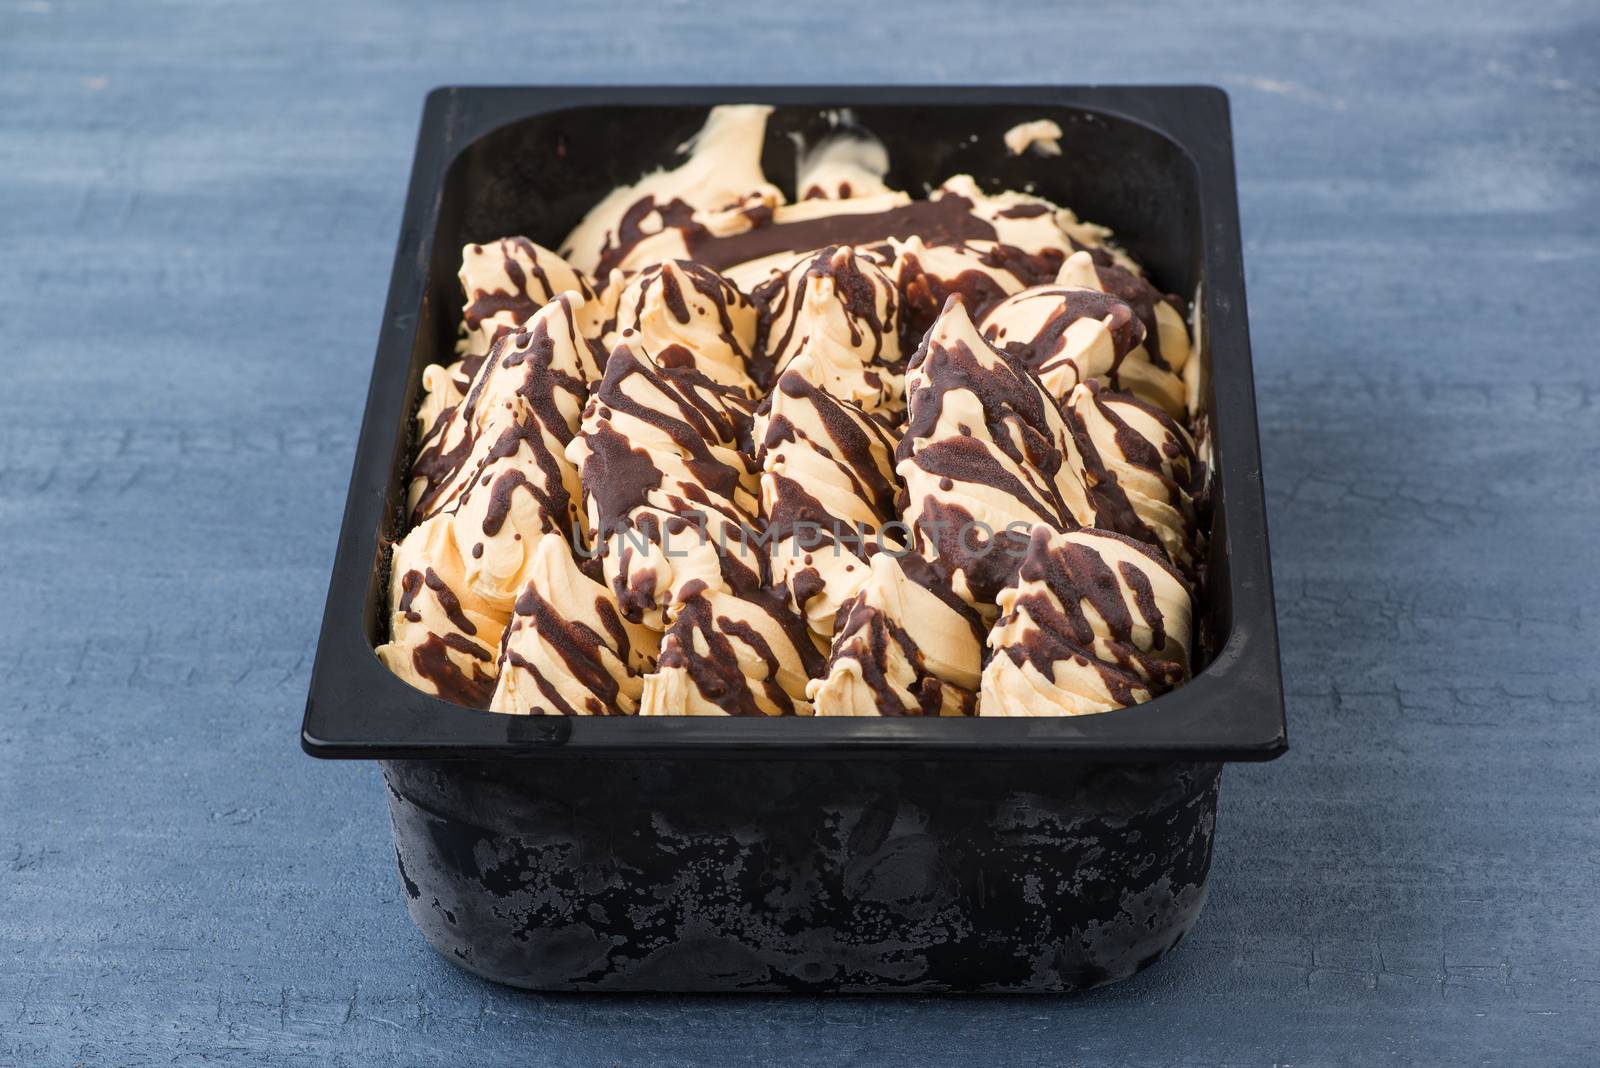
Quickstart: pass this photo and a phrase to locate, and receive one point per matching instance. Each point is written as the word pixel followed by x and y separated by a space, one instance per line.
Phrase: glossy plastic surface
pixel 802 875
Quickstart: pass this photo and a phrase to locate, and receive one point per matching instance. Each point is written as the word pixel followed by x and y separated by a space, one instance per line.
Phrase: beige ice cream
pixel 739 450
pixel 1028 226
pixel 927 276
pixel 906 646
pixel 986 456
pixel 1166 337
pixel 1141 470
pixel 442 639
pixel 844 311
pixel 679 311
pixel 505 281
pixel 669 493
pixel 1095 621
pixel 498 467
pixel 1041 135
pixel 568 651
pixel 736 651
pixel 1078 330
pixel 827 489
pixel 842 167
pixel 1064 334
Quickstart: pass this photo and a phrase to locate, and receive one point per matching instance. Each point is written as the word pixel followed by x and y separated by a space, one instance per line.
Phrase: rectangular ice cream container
pixel 754 854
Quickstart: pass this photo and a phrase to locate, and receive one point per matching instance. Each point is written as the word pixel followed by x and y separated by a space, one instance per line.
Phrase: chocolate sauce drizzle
pixel 523 300
pixel 857 282
pixel 1071 574
pixel 1021 424
pixel 1142 298
pixel 946 221
pixel 1043 351
pixel 473 688
pixel 527 358
pixel 865 634
pixel 1114 509
pixel 582 651
pixel 1019 451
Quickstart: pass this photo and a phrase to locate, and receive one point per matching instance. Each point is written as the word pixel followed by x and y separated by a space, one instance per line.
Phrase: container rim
pixel 1232 711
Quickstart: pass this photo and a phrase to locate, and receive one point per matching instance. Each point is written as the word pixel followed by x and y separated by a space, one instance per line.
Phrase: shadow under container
pixel 718 854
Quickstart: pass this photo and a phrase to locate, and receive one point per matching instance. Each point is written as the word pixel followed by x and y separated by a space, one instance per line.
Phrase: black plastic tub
pixel 718 854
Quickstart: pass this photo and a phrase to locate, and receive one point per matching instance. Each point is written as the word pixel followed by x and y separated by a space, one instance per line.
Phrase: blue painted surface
pixel 198 204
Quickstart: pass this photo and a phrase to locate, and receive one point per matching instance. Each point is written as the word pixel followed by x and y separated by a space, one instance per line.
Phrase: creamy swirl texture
pixel 1096 621
pixel 683 313
pixel 567 649
pixel 737 650
pixel 906 646
pixel 506 281
pixel 827 489
pixel 1166 338
pixel 1141 470
pixel 844 166
pixel 669 495
pixel 985 458
pixel 442 639
pixel 1064 334
pixel 834 450
pixel 844 311
pixel 497 465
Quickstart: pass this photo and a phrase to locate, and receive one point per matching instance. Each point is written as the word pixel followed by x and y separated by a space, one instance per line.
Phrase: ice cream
pixel 1096 621
pixel 683 313
pixel 1141 470
pixel 1166 338
pixel 827 491
pixel 844 166
pixel 505 282
pixel 734 650
pixel 985 457
pixel 442 639
pixel 667 479
pixel 1041 135
pixel 497 465
pixel 844 311
pixel 568 651
pixel 718 190
pixel 1064 334
pixel 832 449
pixel 906 646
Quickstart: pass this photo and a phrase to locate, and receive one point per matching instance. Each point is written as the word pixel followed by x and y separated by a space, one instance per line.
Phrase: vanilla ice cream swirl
pixel 1095 621
pixel 828 488
pixel 984 458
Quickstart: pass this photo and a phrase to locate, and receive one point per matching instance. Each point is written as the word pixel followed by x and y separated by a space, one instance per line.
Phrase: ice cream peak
pixel 985 457
pixel 906 646
pixel 828 489
pixel 684 313
pixel 1064 334
pixel 442 639
pixel 506 281
pixel 568 651
pixel 1095 621
pixel 845 311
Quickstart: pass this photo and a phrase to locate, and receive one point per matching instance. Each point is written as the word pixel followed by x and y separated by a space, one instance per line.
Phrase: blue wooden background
pixel 198 205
